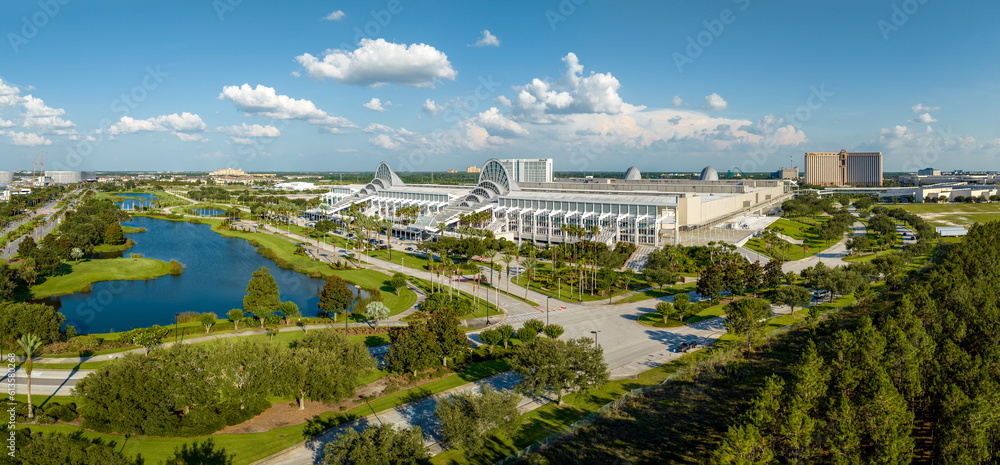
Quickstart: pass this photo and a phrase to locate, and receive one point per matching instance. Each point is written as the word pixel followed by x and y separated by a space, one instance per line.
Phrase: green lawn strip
pixel 252 447
pixel 106 248
pixel 132 229
pixel 90 271
pixel 657 293
pixel 710 312
pixel 511 294
pixel 655 320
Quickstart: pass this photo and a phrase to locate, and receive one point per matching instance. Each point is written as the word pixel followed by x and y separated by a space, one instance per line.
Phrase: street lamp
pixel 547 298
pixel 402 260
pixel 595 338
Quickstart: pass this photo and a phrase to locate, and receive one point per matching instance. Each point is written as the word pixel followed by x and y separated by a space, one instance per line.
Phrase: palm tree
pixel 441 227
pixel 29 343
pixel 387 225
pixel 506 258
pixel 529 264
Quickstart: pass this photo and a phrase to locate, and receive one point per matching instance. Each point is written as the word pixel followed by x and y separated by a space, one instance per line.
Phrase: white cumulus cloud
pixel 498 124
pixel 335 16
pixel 574 93
pixel 431 108
pixel 375 104
pixel 714 102
pixel 250 130
pixel 183 125
pixel 921 107
pixel 28 138
pixel 924 118
pixel 488 39
pixel 678 101
pixel 377 62
pixel 264 101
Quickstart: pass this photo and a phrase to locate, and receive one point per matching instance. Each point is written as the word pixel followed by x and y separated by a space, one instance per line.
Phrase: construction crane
pixel 41 171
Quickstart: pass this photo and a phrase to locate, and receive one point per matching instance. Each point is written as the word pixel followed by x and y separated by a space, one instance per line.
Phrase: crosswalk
pixel 539 314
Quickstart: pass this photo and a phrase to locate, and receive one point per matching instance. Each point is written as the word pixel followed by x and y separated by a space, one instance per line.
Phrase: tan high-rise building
pixel 843 168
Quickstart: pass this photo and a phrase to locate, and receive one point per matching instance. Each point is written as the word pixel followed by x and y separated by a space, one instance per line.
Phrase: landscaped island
pixel 88 272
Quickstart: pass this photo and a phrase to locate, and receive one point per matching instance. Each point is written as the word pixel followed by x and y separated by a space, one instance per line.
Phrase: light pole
pixel 559 280
pixel 547 298
pixel 596 344
pixel 402 260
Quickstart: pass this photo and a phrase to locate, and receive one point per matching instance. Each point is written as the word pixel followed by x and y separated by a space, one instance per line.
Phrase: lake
pixel 134 201
pixel 217 270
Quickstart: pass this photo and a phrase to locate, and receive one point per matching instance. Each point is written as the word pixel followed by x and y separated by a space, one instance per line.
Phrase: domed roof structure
pixel 709 174
pixel 632 174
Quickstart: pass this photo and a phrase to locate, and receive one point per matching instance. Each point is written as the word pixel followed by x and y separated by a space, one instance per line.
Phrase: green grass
pixel 710 312
pixel 803 228
pixel 81 275
pixel 657 293
pixel 959 214
pixel 105 248
pixel 248 448
pixel 132 229
pixel 654 320
pixel 425 285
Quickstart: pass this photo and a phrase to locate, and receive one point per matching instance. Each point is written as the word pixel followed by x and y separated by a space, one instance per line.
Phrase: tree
pixel 529 264
pixel 711 282
pixel 325 366
pixel 335 297
pixel 793 296
pixel 27 248
pixel 660 276
pixel 235 315
pixel 114 235
pixel 22 318
pixel 449 340
pixel 377 445
pixel 28 272
pixel 506 332
pixel 747 317
pixel 549 365
pixel 76 254
pixel 289 310
pixel 743 445
pixel 469 418
pixel 553 331
pixel 376 311
pixel 398 282
pixel 207 319
pixel 29 344
pixel 147 338
pixel 490 337
pixel 665 309
pixel 527 334
pixel 262 297
pixel 197 453
pixel 412 349
pixel 773 274
pixel 534 324
pixel 681 304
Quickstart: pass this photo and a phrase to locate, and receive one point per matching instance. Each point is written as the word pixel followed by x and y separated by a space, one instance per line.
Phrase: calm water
pixel 207 211
pixel 142 200
pixel 214 280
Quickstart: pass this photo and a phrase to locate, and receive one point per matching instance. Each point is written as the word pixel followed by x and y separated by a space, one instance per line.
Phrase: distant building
pixel 787 173
pixel 295 186
pixel 844 168
pixel 529 169
pixel 452 170
pixel 68 177
pixel 228 172
pixel 472 169
pixel 929 172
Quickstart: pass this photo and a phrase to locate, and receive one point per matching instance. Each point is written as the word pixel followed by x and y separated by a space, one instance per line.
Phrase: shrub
pixel 88 342
pixel 176 267
pixel 44 420
pixel 188 317
pixel 374 292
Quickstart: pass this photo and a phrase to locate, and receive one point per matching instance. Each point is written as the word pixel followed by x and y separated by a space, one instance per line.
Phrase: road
pixel 831 257
pixel 48 210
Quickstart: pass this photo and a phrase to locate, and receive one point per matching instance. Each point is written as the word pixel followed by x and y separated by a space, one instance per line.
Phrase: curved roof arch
pixel 495 172
pixel 632 174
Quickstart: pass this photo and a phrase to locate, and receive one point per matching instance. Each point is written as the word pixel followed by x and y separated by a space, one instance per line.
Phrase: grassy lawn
pixel 657 293
pixel 655 320
pixel 425 285
pixel 561 291
pixel 959 214
pixel 132 229
pixel 710 312
pixel 794 252
pixel 81 275
pixel 796 229
pixel 252 447
pixel 104 248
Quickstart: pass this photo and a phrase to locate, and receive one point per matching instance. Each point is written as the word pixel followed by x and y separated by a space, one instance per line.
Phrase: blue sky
pixel 663 85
